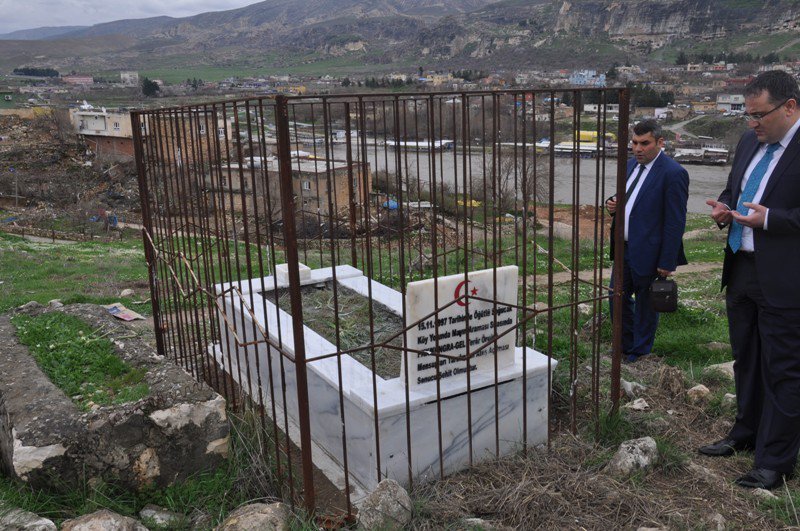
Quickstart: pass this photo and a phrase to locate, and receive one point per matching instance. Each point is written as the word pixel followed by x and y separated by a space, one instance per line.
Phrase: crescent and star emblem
pixel 457 295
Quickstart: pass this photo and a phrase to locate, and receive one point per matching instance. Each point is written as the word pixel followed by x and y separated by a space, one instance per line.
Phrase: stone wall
pixel 179 429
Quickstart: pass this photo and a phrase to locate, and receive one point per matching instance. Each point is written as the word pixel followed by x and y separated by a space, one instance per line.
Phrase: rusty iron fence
pixel 303 253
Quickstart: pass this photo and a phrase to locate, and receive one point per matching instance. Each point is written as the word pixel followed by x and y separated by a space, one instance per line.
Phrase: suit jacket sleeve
pixel 676 198
pixel 784 220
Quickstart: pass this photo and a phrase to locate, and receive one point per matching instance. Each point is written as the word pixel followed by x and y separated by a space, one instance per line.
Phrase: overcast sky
pixel 27 14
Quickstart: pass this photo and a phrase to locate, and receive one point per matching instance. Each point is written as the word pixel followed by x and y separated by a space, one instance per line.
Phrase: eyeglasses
pixel 758 116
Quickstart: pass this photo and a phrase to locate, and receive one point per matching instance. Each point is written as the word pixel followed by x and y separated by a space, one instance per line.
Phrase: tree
pixel 346 82
pixel 149 87
pixel 682 59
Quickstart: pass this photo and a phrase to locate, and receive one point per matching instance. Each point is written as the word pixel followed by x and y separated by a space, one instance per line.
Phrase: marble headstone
pixel 461 323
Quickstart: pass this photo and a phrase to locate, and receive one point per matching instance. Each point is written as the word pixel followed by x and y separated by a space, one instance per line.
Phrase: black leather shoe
pixel 761 478
pixel 724 448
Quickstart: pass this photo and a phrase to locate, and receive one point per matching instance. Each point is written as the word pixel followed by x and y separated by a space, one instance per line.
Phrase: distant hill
pixel 36 34
pixel 381 35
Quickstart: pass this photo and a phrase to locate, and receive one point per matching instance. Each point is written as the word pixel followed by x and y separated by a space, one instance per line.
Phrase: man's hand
pixel 720 212
pixel 664 272
pixel 611 205
pixel 754 220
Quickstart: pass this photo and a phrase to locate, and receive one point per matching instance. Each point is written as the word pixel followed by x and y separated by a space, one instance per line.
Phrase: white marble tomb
pixel 376 424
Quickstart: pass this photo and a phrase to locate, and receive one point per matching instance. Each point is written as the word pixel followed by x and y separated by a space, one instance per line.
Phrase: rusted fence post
pixel 292 260
pixel 619 248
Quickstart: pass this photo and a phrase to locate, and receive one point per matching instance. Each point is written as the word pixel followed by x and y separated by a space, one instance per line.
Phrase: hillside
pixel 437 33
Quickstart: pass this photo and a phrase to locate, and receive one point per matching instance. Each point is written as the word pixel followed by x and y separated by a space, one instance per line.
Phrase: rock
pixel 725 369
pixel 633 456
pixel 717 346
pixel 585 309
pixel 717 521
pixel 764 494
pixel 55 303
pixel 697 394
pixel 160 517
pixel 670 380
pixel 19 520
pixel 386 507
pixel 200 520
pixel 257 516
pixel 126 293
pixel 640 404
pixel 729 400
pixel 30 307
pixel 632 389
pixel 103 520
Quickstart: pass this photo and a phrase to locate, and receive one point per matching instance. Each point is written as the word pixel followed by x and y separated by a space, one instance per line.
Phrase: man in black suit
pixel 761 205
pixel 655 216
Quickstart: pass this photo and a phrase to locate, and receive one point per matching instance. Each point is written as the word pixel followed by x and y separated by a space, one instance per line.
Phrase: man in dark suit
pixel 761 205
pixel 655 216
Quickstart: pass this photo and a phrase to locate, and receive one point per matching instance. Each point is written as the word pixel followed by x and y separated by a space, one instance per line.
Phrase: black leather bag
pixel 664 295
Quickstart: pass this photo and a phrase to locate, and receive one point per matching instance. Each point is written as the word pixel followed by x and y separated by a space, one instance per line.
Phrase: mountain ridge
pixel 441 33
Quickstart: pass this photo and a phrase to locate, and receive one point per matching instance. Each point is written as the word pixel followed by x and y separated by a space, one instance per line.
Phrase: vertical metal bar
pixel 619 249
pixel 292 259
pixel 350 192
pixel 147 221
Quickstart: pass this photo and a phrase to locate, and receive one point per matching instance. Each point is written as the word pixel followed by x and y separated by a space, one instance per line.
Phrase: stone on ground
pixel 386 507
pixel 640 404
pixel 632 389
pixel 729 399
pixel 717 521
pixel 257 517
pixel 725 369
pixel 697 394
pixel 19 520
pixel 103 520
pixel 126 293
pixel 479 524
pixel 633 456
pixel 160 517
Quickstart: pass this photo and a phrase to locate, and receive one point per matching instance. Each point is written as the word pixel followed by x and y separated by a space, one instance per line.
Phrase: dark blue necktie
pixel 750 189
pixel 632 187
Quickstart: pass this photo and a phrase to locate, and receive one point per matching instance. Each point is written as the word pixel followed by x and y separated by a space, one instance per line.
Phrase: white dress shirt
pixel 747 232
pixel 635 193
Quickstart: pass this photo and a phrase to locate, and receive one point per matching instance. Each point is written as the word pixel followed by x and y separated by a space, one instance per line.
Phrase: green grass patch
pixel 80 363
pixel 93 272
pixel 614 428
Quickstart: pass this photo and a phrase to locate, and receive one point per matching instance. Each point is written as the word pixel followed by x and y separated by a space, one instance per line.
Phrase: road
pixel 678 128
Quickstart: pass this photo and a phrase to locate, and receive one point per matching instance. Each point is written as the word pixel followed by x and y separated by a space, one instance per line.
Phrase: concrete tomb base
pixel 179 429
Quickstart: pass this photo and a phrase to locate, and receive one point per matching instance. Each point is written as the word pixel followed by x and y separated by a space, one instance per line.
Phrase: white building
pixel 730 102
pixel 129 78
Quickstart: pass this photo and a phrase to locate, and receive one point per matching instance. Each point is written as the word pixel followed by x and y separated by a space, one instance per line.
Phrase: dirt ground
pixel 566 487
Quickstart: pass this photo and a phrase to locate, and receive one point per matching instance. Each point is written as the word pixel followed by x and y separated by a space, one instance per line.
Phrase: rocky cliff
pixel 454 33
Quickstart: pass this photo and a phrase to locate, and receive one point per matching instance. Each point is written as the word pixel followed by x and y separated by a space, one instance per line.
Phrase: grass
pixel 78 362
pixel 94 272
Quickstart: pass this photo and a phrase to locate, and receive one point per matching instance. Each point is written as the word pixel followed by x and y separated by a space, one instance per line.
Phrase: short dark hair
pixel 648 126
pixel 779 85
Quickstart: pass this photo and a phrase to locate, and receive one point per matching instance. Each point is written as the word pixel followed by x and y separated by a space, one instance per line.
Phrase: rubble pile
pixel 47 179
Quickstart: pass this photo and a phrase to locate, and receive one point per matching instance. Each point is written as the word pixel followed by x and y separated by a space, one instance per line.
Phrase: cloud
pixel 29 14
